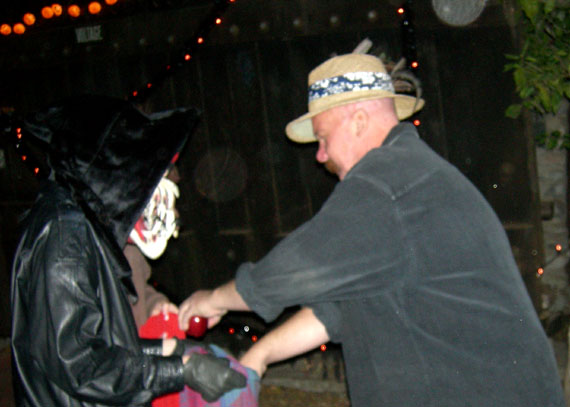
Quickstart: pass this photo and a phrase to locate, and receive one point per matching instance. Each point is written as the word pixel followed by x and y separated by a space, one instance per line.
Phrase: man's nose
pixel 321 155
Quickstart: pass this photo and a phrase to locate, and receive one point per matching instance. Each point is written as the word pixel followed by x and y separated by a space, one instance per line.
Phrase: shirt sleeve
pixel 351 249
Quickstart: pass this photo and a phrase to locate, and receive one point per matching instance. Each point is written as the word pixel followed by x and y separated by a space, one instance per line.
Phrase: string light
pixel 5 29
pixel 558 248
pixel 47 12
pixel 94 7
pixel 29 19
pixel 408 35
pixel 323 347
pixel 199 37
pixel 417 122
pixel 19 28
pixel 74 11
pixel 57 9
pixel 540 271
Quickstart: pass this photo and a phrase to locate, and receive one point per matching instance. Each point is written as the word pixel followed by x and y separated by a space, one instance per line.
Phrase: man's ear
pixel 359 122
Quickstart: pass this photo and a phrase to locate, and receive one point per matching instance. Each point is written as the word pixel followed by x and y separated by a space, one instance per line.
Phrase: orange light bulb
pixel 47 12
pixel 29 19
pixel 74 10
pixel 5 29
pixel 94 7
pixel 19 28
pixel 110 2
pixel 57 9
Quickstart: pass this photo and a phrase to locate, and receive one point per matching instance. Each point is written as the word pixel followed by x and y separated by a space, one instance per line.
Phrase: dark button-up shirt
pixel 409 268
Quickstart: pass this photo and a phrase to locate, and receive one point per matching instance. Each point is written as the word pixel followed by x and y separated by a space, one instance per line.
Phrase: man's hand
pixel 199 303
pixel 211 376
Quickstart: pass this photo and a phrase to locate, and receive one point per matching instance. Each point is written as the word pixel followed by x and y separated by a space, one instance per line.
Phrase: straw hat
pixel 347 79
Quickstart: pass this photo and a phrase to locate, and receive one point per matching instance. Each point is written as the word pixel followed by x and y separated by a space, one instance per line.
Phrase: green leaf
pixel 513 111
pixel 530 8
pixel 545 100
pixel 526 92
pixel 549 6
pixel 519 77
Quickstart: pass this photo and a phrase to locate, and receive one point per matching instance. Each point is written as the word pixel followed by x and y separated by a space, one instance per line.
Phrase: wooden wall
pixel 244 186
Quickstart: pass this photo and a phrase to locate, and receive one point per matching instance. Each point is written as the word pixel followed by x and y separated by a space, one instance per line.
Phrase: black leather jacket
pixel 74 339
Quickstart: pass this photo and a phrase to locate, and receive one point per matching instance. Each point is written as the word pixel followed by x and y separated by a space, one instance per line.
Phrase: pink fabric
pixel 244 397
pixel 166 326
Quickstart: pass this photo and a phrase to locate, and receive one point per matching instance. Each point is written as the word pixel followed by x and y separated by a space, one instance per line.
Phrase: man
pixel 406 265
pixel 74 340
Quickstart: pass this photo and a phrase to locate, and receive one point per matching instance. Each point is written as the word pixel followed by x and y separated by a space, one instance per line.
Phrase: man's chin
pixel 332 168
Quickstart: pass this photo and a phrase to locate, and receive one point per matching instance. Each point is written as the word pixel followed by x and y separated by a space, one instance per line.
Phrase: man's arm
pixel 211 304
pixel 299 334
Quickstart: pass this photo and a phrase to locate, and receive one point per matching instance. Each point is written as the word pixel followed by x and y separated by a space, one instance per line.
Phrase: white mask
pixel 158 221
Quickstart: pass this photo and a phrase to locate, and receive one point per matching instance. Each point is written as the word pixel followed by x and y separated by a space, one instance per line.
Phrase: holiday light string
pixel 213 19
pixel 54 11
pixel 559 252
pixel 408 35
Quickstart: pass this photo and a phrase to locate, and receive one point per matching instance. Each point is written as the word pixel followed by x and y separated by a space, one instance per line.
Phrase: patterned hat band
pixel 350 82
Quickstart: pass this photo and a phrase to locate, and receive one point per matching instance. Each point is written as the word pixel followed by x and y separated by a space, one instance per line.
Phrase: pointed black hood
pixel 110 154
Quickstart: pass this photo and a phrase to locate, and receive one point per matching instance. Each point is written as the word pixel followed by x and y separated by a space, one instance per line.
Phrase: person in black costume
pixel 74 340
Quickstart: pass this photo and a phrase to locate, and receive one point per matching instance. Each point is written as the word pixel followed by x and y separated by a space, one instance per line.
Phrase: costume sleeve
pixel 74 305
pixel 352 248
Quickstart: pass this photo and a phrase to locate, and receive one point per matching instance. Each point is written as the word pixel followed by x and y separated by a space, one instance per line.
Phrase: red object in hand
pixel 197 326
pixel 162 326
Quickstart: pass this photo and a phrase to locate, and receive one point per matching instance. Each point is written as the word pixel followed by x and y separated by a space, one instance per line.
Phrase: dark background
pixel 244 185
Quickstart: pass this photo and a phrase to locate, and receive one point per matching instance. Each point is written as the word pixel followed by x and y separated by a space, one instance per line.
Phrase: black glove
pixel 211 376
